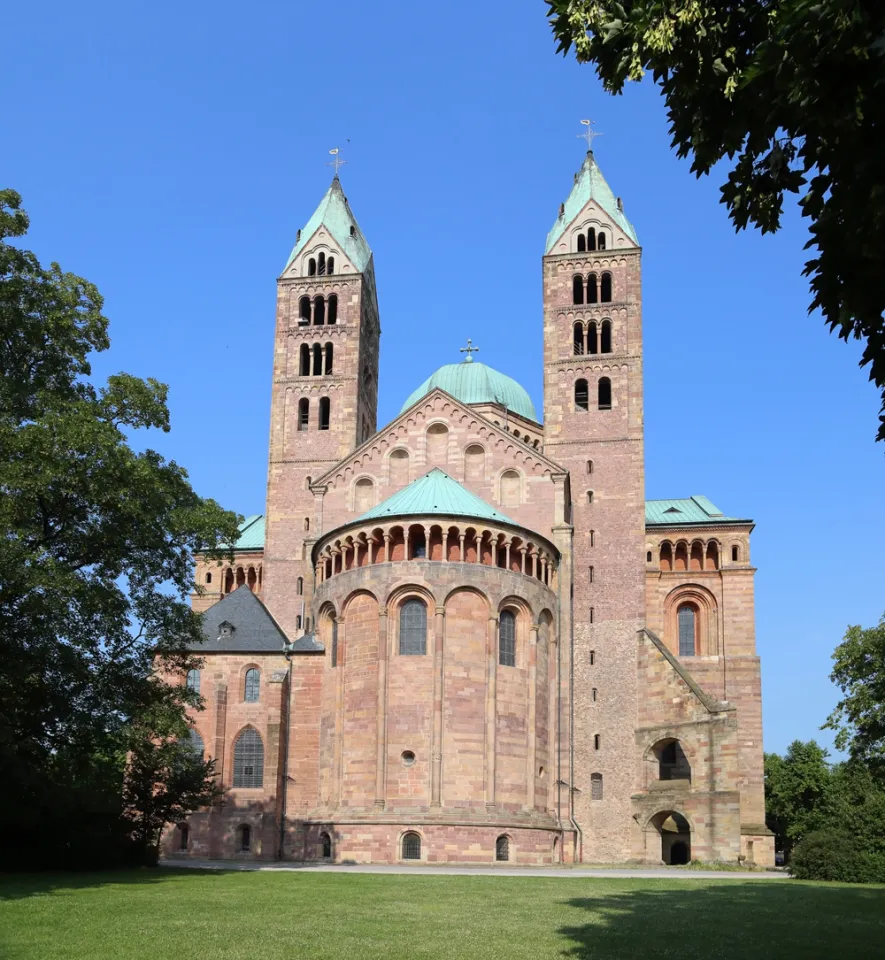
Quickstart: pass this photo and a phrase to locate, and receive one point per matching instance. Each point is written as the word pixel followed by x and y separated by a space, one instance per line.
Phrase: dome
pixel 474 382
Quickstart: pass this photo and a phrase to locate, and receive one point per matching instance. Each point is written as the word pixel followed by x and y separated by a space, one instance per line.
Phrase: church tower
pixel 325 391
pixel 593 426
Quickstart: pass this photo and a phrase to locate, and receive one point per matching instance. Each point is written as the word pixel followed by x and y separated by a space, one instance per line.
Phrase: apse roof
pixel 434 493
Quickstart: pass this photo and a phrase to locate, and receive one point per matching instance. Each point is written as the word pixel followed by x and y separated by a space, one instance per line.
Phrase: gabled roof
pixel 335 215
pixel 251 533
pixel 693 510
pixel 434 493
pixel 472 382
pixel 589 185
pixel 254 629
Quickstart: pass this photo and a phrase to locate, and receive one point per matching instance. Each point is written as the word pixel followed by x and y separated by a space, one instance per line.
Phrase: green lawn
pixel 189 915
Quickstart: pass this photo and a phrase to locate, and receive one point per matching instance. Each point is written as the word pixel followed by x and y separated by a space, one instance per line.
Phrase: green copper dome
pixel 474 382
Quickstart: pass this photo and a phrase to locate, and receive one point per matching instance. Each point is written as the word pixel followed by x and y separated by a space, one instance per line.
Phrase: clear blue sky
pixel 169 153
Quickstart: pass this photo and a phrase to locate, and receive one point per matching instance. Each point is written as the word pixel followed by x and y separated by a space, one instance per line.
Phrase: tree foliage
pixel 790 92
pixel 796 791
pixel 96 559
pixel 859 717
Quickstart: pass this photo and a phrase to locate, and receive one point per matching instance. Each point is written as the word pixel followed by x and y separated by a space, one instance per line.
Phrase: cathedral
pixel 467 637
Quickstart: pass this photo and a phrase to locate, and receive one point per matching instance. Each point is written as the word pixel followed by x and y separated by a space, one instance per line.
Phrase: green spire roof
pixel 434 493
pixel 474 382
pixel 589 185
pixel 335 215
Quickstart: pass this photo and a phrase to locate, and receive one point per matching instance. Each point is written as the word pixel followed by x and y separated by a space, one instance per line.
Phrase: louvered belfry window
pixel 249 760
pixel 507 639
pixel 413 628
pixel 253 686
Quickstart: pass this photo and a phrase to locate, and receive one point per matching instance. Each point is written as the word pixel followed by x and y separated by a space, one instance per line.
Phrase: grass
pixel 191 915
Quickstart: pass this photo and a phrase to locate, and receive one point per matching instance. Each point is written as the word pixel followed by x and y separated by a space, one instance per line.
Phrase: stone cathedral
pixel 467 637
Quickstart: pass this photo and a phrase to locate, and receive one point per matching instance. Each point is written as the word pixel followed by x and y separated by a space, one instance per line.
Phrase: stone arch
pixel 656 758
pixel 673 829
pixel 707 627
pixel 398 466
pixel 524 623
pixel 403 834
pixel 437 441
pixel 474 462
pixel 355 595
pixel 363 493
pixel 241 678
pixel 510 487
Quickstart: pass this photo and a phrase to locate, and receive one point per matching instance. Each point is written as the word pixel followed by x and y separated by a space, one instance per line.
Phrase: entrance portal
pixel 675 834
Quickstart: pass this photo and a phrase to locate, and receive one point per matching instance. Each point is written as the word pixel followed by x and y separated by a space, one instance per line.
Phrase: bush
pixel 836 855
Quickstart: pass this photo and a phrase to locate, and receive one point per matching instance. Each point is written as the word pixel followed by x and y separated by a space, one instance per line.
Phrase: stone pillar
pixel 436 746
pixel 381 719
pixel 491 711
pixel 338 765
pixel 531 652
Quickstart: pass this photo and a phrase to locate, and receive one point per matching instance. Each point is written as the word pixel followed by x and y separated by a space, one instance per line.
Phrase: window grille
pixel 195 742
pixel 249 760
pixel 595 786
pixel 502 848
pixel 411 846
pixel 253 685
pixel 686 618
pixel 507 639
pixel 413 628
pixel 193 680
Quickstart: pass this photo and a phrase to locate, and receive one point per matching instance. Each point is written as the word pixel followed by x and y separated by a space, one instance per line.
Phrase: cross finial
pixel 336 162
pixel 589 133
pixel 468 350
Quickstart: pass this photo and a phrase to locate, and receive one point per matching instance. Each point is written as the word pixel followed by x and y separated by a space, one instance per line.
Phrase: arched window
pixel 595 786
pixel 597 741
pixel 591 238
pixel 507 639
pixel 592 342
pixel 299 586
pixel 325 846
pixel 209 578
pixel 687 620
pixel 252 686
pixel 735 553
pixel 329 354
pixel 411 846
pixel 511 488
pixel 353 231
pixel 413 628
pixel 319 311
pixel 304 310
pixel 193 680
pixel 606 288
pixel 325 410
pixel 696 557
pixel 592 289
pixel 311 267
pixel 578 289
pixel 321 265
pixel 502 848
pixel 606 339
pixel 304 364
pixel 183 836
pixel 604 393
pixel 582 399
pixel 334 652
pixel 307 524
pixel 195 742
pixel 317 360
pixel 330 266
pixel 244 835
pixel 249 759
pixel 332 316
pixel 600 240
pixel 303 413
pixel 578 339
pixel 589 466
pixel 582 243
pixel 589 496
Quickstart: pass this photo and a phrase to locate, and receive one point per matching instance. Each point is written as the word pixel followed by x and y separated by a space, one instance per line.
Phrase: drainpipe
pixel 285 785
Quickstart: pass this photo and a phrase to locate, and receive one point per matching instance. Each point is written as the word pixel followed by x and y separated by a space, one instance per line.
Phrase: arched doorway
pixel 675 836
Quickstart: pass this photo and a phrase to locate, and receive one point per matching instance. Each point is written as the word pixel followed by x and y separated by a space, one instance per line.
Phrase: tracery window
pixel 413 628
pixel 252 686
pixel 249 759
pixel 507 639
pixel 687 621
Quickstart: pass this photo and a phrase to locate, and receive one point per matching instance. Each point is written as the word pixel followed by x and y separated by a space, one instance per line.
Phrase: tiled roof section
pixel 589 185
pixel 435 493
pixel 335 215
pixel 251 627
pixel 693 510
pixel 251 533
pixel 474 382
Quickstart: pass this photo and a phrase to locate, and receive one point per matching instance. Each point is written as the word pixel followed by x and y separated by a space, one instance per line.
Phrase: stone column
pixel 381 719
pixel 387 539
pixel 491 711
pixel 438 673
pixel 531 652
pixel 461 537
pixel 445 542
pixel 338 765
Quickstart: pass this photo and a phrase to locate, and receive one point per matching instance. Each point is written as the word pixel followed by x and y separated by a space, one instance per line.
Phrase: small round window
pixel 408 758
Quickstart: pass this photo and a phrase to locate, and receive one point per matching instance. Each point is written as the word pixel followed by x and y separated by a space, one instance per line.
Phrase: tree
pixel 859 717
pixel 793 90
pixel 796 792
pixel 96 560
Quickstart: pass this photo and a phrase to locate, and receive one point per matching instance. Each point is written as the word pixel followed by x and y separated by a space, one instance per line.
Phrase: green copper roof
pixel 435 492
pixel 589 185
pixel 473 382
pixel 251 533
pixel 697 510
pixel 335 215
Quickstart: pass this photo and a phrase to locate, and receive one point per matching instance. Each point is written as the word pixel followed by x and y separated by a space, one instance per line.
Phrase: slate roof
pixel 434 493
pixel 474 382
pixel 696 510
pixel 254 629
pixel 590 184
pixel 335 215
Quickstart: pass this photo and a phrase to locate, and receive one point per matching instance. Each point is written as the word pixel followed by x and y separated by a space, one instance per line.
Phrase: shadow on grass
pixel 17 886
pixel 734 920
